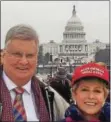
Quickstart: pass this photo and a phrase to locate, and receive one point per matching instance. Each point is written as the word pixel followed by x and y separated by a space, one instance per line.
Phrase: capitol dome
pixel 74 30
pixel 74 19
pixel 74 47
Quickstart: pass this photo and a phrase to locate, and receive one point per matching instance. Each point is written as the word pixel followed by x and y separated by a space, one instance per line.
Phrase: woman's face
pixel 90 97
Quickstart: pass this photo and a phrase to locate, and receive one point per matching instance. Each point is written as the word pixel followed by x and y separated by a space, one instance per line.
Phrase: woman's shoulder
pixel 73 112
pixel 106 110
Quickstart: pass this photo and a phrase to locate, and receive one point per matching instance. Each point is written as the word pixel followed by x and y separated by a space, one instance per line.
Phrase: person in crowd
pixel 23 97
pixel 48 79
pixel 69 77
pixel 61 83
pixel 90 88
pixel 104 65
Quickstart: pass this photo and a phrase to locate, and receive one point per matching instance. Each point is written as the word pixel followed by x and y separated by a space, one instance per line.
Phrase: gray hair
pixel 21 31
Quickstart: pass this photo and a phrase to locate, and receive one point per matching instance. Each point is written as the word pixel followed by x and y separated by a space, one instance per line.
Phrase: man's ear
pixel 2 55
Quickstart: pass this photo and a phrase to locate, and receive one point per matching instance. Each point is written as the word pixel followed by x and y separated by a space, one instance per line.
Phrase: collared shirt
pixel 28 98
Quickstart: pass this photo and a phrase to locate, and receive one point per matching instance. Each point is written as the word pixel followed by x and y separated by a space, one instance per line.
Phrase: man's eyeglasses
pixel 19 55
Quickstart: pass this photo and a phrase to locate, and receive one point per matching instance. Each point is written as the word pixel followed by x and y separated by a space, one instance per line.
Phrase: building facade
pixel 74 48
pixel 51 47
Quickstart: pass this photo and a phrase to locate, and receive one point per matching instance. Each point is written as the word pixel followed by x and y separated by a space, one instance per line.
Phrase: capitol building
pixel 74 48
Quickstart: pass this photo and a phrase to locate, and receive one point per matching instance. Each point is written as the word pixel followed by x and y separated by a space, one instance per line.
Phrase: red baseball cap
pixel 90 70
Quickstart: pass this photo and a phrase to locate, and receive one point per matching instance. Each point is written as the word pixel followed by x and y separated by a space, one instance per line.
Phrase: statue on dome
pixel 74 11
pixel 73 7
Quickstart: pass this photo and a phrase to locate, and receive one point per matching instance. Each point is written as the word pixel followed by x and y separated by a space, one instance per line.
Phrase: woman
pixel 90 88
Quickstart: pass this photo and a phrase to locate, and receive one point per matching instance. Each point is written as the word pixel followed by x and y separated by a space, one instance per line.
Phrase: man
pixel 23 97
pixel 61 84
pixel 0 59
pixel 0 56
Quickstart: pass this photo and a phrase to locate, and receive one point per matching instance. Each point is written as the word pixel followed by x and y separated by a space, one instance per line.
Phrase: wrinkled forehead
pixel 22 46
pixel 21 40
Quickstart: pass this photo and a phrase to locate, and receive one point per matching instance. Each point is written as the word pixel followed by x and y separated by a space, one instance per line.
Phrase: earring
pixel 74 102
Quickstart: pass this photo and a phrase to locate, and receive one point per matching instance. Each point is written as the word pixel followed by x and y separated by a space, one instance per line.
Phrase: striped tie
pixel 18 108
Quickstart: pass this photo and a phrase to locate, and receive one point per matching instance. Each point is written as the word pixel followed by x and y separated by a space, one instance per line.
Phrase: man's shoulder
pixel 1 70
pixel 40 82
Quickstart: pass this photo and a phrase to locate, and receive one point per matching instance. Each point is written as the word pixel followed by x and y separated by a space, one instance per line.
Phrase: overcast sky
pixel 49 18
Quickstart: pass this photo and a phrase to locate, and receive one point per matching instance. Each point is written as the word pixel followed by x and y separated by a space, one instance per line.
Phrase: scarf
pixel 72 114
pixel 5 99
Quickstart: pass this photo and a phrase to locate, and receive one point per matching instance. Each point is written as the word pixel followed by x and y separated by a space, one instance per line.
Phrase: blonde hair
pixel 106 87
pixel 102 64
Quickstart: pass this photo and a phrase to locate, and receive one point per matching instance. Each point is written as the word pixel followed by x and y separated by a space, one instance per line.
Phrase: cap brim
pixel 88 76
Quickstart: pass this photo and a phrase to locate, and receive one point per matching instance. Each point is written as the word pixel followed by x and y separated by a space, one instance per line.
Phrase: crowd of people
pixel 61 83
pixel 80 97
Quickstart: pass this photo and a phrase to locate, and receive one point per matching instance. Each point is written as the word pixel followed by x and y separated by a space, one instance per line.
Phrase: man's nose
pixel 24 59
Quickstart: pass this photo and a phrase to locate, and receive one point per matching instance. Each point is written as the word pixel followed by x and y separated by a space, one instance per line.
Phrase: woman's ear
pixel 107 94
pixel 73 96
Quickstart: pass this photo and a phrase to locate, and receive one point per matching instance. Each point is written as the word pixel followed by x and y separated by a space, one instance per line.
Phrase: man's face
pixel 20 59
pixel 0 58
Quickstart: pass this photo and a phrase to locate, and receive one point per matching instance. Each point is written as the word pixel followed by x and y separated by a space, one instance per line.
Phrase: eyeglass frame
pixel 20 55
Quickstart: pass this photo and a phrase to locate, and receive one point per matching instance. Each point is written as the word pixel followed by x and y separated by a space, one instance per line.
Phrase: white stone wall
pixel 51 48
